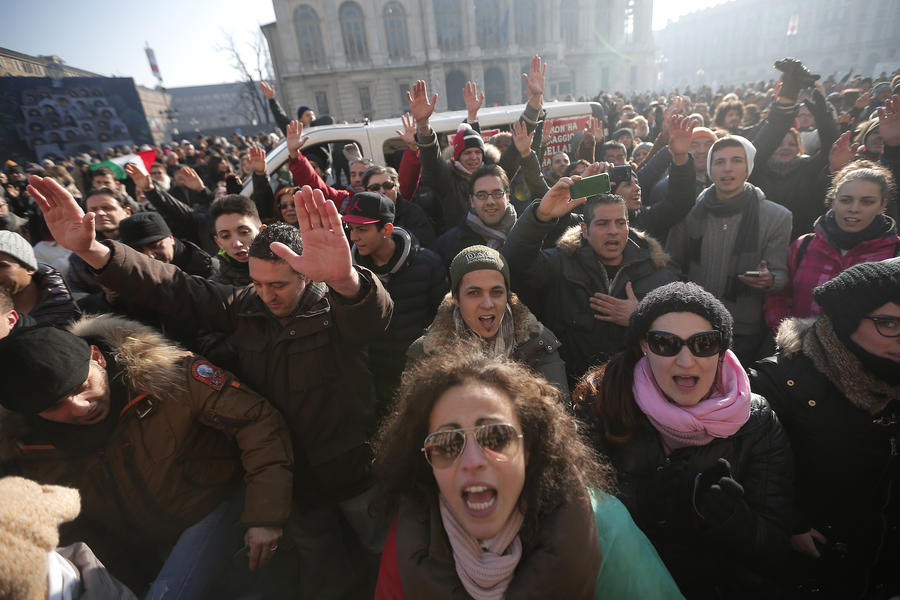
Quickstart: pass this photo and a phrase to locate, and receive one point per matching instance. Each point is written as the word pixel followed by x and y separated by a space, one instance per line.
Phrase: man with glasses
pixel 835 385
pixel 490 216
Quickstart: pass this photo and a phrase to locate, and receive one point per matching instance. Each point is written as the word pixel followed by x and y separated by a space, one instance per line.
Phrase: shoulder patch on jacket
pixel 209 374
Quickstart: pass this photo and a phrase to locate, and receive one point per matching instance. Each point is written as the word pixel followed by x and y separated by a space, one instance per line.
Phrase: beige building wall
pixel 591 45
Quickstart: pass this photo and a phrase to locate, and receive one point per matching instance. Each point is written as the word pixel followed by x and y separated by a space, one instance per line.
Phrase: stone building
pixel 737 42
pixel 356 59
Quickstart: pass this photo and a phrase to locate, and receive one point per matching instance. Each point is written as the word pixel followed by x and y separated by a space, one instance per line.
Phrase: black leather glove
pixel 817 106
pixel 717 496
pixel 796 77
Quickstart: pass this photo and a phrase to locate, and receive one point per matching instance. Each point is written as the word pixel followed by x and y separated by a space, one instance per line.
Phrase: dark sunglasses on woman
pixel 701 345
pixel 500 441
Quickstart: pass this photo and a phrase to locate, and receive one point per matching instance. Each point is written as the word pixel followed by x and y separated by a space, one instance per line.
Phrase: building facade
pixel 738 41
pixel 357 58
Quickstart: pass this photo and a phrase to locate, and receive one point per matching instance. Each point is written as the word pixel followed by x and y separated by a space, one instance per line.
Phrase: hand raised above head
pixel 68 224
pixel 419 105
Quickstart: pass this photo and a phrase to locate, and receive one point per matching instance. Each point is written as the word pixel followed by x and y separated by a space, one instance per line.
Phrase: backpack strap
pixel 801 251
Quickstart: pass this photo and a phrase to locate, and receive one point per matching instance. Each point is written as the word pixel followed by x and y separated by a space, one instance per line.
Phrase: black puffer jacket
pixel 565 277
pixel 847 472
pixel 417 281
pixel 709 562
pixel 54 305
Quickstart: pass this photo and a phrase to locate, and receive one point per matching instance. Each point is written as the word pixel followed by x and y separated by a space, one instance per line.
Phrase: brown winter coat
pixel 313 367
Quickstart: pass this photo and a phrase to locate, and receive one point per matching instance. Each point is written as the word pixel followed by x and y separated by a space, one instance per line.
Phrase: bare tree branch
pixel 252 65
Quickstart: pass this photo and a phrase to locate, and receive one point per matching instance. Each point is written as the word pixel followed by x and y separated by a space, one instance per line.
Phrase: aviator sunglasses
pixel 703 344
pixel 500 441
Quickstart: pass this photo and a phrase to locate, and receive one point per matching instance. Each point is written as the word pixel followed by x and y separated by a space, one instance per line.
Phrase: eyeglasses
pixel 701 345
pixel 386 186
pixel 500 441
pixel 496 194
pixel 886 326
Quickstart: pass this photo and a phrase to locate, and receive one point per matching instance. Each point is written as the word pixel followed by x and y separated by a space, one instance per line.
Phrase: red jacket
pixel 304 174
pixel 820 263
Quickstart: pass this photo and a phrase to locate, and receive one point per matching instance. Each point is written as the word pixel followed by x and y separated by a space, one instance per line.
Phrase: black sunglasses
pixel 701 345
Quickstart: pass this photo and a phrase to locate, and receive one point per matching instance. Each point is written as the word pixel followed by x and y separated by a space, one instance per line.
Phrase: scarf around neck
pixel 484 572
pixel 881 226
pixel 845 370
pixel 744 252
pixel 494 237
pixel 718 415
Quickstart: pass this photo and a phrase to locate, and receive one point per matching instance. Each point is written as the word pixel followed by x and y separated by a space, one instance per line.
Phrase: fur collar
pixel 149 360
pixel 789 337
pixel 441 334
pixel 571 240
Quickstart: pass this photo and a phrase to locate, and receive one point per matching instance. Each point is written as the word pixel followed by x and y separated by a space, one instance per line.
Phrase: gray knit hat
pixel 476 258
pixel 679 297
pixel 18 247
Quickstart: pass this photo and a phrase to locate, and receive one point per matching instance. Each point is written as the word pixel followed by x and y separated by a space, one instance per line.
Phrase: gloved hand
pixel 233 184
pixel 796 77
pixel 717 496
pixel 816 104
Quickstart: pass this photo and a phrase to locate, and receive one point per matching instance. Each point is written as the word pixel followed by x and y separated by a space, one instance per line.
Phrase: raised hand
pixel 473 100
pixel 521 138
pixel 889 120
pixel 594 129
pixel 674 108
pixel 534 82
pixel 557 202
pixel 326 253
pixel 596 168
pixel 191 180
pixel 141 180
pixel 408 134
pixel 681 129
pixel 68 224
pixel 842 152
pixel 864 98
pixel 295 139
pixel 258 160
pixel 614 310
pixel 419 106
pixel 267 90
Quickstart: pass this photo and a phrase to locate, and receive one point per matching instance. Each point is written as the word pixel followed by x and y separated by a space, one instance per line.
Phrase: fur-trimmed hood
pixel 148 360
pixel 441 334
pixel 789 337
pixel 571 240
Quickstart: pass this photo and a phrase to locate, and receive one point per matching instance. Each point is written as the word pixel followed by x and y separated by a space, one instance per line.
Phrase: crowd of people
pixel 452 376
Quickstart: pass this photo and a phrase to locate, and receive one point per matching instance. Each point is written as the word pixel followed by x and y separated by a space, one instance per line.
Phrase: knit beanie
pixel 39 366
pixel 749 150
pixel 465 138
pixel 15 245
pixel 704 132
pixel 476 258
pixel 679 297
pixel 857 291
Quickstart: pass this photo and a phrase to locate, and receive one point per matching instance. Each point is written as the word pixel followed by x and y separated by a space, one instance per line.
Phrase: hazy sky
pixel 108 37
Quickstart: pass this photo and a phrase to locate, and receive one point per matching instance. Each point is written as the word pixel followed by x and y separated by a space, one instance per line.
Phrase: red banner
pixel 558 134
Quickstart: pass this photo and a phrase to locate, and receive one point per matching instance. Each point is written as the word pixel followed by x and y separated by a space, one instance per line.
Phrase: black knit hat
pixel 679 297
pixel 857 291
pixel 39 366
pixel 143 228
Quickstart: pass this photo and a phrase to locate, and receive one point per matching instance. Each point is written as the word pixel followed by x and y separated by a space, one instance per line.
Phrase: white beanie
pixel 18 247
pixel 749 150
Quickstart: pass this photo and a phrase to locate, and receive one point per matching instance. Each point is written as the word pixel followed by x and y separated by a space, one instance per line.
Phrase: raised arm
pixel 302 170
pixel 278 113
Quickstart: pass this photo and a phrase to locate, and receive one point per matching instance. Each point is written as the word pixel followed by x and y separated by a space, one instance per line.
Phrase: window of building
pixel 526 23
pixel 448 21
pixel 395 30
pixel 365 101
pixel 353 30
pixel 322 103
pixel 309 35
pixel 568 21
pixel 488 24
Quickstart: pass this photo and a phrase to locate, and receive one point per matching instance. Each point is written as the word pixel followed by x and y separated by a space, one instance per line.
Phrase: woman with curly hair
pixel 496 495
pixel 703 465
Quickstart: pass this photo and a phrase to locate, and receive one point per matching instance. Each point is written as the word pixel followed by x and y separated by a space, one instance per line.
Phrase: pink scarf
pixel 719 415
pixel 484 573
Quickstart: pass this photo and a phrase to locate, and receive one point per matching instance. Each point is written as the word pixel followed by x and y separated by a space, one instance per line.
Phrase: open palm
pixel 68 224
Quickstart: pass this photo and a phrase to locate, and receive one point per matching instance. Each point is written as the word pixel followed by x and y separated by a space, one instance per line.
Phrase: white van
pixel 378 139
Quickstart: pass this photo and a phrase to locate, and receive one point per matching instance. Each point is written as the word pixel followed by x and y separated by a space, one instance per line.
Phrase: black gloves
pixel 817 106
pixel 719 500
pixel 796 77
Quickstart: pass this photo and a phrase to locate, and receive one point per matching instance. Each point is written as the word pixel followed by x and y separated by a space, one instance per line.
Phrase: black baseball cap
pixel 369 207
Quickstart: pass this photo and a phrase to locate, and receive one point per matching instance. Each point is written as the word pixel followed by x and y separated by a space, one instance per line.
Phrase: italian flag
pixel 143 160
